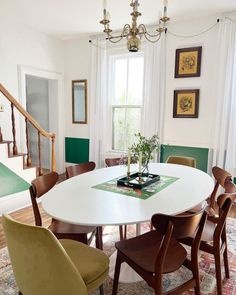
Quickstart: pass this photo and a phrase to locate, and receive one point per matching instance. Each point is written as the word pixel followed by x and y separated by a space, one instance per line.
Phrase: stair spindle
pixel 40 160
pixel 28 159
pixel 15 151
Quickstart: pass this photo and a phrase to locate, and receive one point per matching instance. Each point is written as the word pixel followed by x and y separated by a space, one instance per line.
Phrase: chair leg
pixel 101 290
pixel 20 293
pixel 121 232
pixel 218 274
pixel 197 277
pixel 226 263
pixel 99 243
pixel 116 275
pixel 225 254
pixel 125 232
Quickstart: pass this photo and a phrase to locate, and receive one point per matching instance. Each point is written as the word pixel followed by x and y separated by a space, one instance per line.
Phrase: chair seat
pixel 142 249
pixel 60 227
pixel 92 264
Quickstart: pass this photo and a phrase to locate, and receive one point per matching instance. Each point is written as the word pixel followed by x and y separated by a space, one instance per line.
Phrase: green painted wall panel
pixel 200 154
pixel 11 183
pixel 77 150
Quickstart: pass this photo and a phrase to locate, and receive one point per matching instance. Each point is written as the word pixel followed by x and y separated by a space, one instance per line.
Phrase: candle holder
pixel 128 176
pixel 140 177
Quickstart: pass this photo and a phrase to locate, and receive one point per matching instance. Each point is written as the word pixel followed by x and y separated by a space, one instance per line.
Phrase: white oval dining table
pixel 77 201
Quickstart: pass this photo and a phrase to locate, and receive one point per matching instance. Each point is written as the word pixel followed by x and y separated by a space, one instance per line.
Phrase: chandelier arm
pixel 125 33
pixel 144 31
pixel 152 41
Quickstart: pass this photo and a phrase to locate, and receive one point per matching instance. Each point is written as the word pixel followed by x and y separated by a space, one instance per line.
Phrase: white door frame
pixel 58 108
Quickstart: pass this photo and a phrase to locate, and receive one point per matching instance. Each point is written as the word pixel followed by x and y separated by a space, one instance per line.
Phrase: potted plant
pixel 145 146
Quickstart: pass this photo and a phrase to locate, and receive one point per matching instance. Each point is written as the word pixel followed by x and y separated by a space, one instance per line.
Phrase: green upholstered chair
pixel 186 161
pixel 44 265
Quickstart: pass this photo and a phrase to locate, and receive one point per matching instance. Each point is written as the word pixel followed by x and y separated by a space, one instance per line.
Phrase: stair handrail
pixel 33 122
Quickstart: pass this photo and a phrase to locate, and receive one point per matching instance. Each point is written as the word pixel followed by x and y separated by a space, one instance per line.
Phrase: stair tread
pixel 5 141
pixel 28 167
pixel 18 155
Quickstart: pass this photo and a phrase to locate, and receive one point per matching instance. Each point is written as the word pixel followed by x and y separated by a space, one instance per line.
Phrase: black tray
pixel 146 179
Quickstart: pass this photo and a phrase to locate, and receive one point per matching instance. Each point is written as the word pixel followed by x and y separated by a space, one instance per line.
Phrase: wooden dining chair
pixel 79 169
pixel 186 161
pixel 115 162
pixel 214 240
pixel 61 230
pixel 158 252
pixel 221 177
pixel 43 265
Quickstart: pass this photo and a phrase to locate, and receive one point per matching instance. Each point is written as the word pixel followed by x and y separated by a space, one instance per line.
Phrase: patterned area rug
pixel 207 269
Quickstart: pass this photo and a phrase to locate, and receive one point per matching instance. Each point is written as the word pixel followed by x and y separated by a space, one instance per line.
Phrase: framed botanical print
pixel 188 62
pixel 186 103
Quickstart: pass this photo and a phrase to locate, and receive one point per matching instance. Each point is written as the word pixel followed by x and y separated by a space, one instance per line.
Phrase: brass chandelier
pixel 134 32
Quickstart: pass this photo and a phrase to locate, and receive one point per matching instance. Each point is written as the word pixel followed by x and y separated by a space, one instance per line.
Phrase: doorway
pixel 37 104
pixel 41 93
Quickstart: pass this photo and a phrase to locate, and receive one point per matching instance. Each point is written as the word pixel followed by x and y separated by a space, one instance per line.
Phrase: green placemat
pixel 144 194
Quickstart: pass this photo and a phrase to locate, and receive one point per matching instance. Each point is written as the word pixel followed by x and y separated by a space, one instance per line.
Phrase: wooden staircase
pixel 20 163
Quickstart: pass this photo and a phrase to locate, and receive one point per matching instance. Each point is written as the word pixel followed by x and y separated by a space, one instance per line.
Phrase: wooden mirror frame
pixel 73 101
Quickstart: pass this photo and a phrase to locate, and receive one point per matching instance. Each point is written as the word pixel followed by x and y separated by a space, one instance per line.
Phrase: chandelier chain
pixel 195 35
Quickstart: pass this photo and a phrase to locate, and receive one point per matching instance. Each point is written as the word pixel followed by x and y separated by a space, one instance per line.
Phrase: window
pixel 126 96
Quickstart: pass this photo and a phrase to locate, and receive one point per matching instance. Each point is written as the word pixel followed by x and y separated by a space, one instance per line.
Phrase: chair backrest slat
pixel 183 225
pixel 78 169
pixel 186 161
pixel 38 188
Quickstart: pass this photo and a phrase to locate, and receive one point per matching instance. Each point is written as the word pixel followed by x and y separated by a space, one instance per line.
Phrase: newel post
pixel 53 154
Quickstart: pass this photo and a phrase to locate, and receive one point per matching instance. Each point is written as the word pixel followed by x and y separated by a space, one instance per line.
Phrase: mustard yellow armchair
pixel 44 265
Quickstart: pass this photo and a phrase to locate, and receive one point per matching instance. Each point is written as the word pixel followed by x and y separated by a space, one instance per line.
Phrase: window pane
pixel 126 122
pixel 120 81
pixel 118 129
pixel 133 125
pixel 135 81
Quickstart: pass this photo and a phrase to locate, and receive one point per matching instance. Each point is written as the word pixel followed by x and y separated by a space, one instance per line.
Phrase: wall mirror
pixel 79 101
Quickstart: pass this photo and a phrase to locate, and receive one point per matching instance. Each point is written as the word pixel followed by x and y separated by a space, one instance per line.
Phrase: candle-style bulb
pixel 104 4
pixel 108 16
pixel 165 2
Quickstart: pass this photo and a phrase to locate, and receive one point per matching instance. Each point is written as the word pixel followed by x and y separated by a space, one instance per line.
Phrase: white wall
pixel 20 45
pixel 77 67
pixel 198 131
pixel 188 132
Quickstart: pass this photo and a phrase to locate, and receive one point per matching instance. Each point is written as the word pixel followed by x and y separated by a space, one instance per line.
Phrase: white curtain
pixel 224 150
pixel 154 87
pixel 98 102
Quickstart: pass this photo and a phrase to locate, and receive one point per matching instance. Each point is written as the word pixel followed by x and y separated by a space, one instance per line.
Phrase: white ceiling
pixel 69 18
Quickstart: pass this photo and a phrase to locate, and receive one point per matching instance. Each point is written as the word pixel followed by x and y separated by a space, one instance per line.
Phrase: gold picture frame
pixel 188 62
pixel 186 103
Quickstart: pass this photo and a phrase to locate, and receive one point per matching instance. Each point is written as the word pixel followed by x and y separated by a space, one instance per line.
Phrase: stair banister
pixel 34 123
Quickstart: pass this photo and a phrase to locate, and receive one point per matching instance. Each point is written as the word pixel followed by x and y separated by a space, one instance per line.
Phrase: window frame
pixel 112 57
